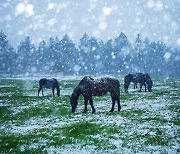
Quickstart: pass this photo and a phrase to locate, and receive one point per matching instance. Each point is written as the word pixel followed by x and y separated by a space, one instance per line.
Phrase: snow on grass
pixel 148 122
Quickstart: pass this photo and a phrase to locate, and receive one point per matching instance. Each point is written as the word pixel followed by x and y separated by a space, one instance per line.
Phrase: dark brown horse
pixel 49 84
pixel 142 79
pixel 89 87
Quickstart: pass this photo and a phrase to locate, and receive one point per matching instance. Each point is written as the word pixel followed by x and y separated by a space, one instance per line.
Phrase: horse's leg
pixel 136 85
pixel 39 89
pixel 140 87
pixel 85 104
pixel 91 103
pixel 113 101
pixel 42 92
pixel 126 85
pixel 58 91
pixel 145 87
pixel 118 100
pixel 53 91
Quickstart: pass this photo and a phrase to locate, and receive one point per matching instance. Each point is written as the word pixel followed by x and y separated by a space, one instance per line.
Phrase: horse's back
pixel 42 81
pixel 99 86
pixel 113 81
pixel 48 83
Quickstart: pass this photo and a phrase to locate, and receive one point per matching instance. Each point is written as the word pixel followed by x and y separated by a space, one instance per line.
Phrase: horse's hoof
pixel 93 112
pixel 85 111
pixel 111 110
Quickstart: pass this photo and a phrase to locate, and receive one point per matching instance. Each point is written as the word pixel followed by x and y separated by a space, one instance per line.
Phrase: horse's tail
pixel 57 87
pixel 116 84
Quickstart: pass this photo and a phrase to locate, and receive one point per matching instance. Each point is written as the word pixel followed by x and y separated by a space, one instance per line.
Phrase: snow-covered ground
pixel 147 123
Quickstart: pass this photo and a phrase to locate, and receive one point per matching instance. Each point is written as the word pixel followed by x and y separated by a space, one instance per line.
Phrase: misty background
pixel 90 37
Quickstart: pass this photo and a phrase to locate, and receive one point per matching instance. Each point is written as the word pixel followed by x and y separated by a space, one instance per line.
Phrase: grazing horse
pixel 49 84
pixel 89 87
pixel 149 82
pixel 142 79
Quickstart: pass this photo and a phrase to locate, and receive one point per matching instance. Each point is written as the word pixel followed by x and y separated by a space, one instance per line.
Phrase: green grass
pixel 31 124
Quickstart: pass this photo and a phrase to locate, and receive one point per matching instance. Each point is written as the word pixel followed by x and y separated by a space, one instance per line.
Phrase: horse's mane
pixel 85 79
pixel 129 76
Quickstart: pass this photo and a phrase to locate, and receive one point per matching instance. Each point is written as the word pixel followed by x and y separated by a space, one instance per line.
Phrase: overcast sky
pixel 159 20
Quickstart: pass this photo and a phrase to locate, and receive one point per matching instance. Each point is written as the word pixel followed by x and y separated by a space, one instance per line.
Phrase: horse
pixel 89 87
pixel 142 79
pixel 49 84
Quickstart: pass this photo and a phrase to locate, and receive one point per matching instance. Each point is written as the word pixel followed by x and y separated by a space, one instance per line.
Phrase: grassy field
pixel 147 123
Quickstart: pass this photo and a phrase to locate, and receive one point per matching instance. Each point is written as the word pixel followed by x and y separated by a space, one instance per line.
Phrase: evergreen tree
pixel 108 56
pixel 120 51
pixel 7 56
pixel 91 57
pixel 26 54
pixel 85 50
pixel 68 55
pixel 41 57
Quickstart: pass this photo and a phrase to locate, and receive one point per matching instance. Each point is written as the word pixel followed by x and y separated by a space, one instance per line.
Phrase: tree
pixel 68 55
pixel 120 51
pixel 108 57
pixel 26 54
pixel 7 56
pixel 85 59
pixel 41 57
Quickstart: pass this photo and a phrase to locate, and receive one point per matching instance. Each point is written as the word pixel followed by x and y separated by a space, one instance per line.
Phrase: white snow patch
pixel 106 11
pixel 51 22
pixel 103 25
pixel 51 6
pixel 22 7
pixel 74 149
pixel 150 3
pixel 159 5
pixel 178 41
pixel 174 26
pixel 30 9
pixel 77 68
pixel 138 20
pixel 167 55
pixel 167 17
pixel 166 39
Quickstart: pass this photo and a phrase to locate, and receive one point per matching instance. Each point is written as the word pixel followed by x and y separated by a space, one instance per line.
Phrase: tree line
pixel 89 57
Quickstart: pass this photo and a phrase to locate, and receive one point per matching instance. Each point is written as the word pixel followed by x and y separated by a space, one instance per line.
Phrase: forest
pixel 90 57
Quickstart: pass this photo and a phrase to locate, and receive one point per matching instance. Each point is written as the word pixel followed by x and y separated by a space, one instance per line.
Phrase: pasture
pixel 147 123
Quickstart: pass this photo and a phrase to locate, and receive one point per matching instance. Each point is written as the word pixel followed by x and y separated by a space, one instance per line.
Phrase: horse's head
pixel 127 80
pixel 149 87
pixel 73 102
pixel 148 82
pixel 126 85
